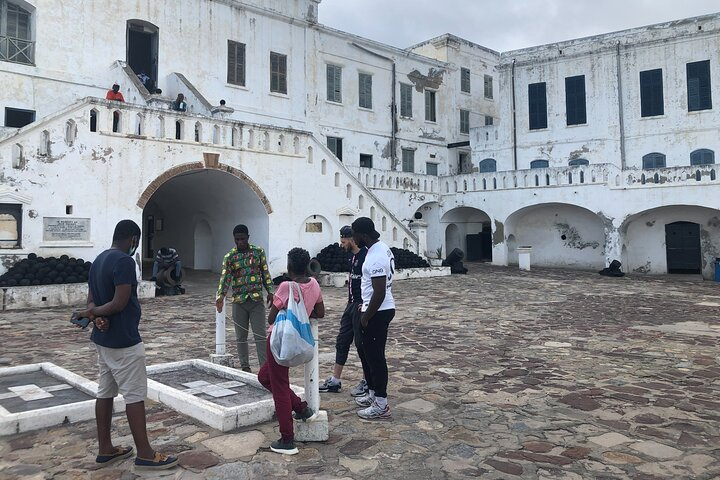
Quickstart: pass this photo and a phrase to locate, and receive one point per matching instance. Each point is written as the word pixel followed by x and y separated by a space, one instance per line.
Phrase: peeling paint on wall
pixel 575 154
pixel 387 150
pixel 644 269
pixel 102 155
pixel 650 223
pixel 433 134
pixel 498 236
pixel 432 80
pixel 33 214
pixel 573 239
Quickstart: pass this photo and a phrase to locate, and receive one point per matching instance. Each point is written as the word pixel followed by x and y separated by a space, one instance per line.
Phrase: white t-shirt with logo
pixel 379 262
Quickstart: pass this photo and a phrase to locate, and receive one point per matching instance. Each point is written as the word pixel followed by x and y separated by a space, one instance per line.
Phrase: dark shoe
pixel 328 386
pixel 306 415
pixel 121 453
pixel 284 447
pixel 246 369
pixel 159 462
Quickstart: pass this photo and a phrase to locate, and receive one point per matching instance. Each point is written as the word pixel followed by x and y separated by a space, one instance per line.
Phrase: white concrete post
pixel 524 257
pixel 312 372
pixel 220 356
pixel 317 430
pixel 220 331
pixel 420 228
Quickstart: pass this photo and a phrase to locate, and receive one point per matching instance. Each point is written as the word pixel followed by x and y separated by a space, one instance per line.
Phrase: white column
pixel 312 373
pixel 220 356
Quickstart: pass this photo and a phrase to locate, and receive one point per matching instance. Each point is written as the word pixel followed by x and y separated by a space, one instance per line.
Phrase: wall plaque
pixel 62 229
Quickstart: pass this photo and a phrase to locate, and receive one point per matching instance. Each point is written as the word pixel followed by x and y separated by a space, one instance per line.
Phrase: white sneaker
pixel 375 412
pixel 364 401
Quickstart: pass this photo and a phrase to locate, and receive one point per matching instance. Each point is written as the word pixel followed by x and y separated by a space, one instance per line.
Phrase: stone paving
pixel 498 374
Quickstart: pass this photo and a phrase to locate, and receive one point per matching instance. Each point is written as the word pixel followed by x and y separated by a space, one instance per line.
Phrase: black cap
pixel 346 232
pixel 364 225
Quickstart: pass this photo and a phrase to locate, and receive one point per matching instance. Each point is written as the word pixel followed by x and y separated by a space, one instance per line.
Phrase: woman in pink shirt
pixel 275 377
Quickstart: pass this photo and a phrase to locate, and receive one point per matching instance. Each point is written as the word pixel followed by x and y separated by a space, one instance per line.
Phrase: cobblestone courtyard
pixel 498 374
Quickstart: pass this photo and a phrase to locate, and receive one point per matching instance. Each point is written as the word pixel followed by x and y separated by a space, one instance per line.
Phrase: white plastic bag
pixel 291 340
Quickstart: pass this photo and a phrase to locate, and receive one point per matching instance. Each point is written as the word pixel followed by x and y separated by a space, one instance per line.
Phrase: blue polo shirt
pixel 110 269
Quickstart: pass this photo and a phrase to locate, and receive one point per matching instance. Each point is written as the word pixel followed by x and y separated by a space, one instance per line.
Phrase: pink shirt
pixel 312 295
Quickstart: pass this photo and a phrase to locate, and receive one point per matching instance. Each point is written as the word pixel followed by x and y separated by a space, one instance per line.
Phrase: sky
pixel 501 25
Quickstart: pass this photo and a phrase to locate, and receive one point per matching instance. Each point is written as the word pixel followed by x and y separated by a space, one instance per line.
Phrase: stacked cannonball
pixel 407 259
pixel 35 270
pixel 333 258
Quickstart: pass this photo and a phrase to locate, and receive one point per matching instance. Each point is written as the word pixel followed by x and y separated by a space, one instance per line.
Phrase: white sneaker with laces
pixel 375 412
pixel 364 401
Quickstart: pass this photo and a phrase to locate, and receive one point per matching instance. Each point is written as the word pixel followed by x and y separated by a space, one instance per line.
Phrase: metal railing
pixel 17 50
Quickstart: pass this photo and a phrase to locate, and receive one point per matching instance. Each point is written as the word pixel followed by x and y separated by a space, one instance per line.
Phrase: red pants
pixel 276 378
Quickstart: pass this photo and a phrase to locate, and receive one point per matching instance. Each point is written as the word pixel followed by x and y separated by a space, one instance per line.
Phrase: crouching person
pixel 274 376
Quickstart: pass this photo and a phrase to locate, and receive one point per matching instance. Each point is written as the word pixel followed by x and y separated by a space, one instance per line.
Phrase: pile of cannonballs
pixel 407 259
pixel 334 258
pixel 35 270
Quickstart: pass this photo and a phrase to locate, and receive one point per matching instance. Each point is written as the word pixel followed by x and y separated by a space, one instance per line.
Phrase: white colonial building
pixel 588 150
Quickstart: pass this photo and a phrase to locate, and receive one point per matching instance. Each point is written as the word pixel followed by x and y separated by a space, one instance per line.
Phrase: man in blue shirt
pixel 115 311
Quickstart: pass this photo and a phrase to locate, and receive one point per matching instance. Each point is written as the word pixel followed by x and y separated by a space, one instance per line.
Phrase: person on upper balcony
pixel 179 103
pixel 115 94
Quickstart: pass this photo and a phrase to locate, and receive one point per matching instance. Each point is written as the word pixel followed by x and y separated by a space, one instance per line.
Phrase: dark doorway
pixel 149 235
pixel 142 50
pixel 479 246
pixel 682 240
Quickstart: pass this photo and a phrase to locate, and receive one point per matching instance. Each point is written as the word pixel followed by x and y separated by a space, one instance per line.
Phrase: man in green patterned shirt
pixel 245 269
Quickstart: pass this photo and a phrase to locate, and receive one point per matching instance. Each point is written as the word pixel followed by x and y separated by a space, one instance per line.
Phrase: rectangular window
pixel 334 83
pixel 488 120
pixel 488 82
pixel 16 43
pixel 698 86
pixel 365 90
pixel 406 100
pixel 465 80
pixel 18 118
pixel 408 160
pixel 335 146
pixel 365 160
pixel 10 225
pixel 575 109
pixel 537 106
pixel 465 121
pixel 236 63
pixel 431 168
pixel 651 93
pixel 430 114
pixel 278 73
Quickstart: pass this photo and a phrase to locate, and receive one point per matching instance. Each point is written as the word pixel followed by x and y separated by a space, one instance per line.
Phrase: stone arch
pixel 196 166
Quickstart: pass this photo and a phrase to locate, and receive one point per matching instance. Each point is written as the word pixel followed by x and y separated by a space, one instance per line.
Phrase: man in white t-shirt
pixel 378 310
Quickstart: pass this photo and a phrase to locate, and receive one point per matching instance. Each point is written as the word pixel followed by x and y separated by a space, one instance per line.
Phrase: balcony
pixel 17 50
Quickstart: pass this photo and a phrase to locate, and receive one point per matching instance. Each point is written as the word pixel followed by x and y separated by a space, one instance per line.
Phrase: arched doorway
pixel 203 246
pixel 142 50
pixel 560 234
pixel 471 232
pixel 196 210
pixel 672 239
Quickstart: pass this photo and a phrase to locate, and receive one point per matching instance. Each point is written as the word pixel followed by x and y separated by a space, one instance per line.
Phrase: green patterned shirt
pixel 247 272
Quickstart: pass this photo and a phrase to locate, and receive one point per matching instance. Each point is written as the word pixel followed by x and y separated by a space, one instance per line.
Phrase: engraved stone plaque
pixel 61 229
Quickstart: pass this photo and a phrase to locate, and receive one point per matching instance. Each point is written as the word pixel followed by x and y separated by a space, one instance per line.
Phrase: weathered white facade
pixel 293 87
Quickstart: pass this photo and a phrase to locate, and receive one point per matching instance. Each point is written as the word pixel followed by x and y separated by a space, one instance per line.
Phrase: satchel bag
pixel 291 341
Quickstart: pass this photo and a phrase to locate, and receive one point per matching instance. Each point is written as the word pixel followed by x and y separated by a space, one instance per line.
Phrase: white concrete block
pixel 317 430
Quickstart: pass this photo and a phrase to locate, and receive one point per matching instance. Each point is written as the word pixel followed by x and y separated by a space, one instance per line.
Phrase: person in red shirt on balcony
pixel 115 95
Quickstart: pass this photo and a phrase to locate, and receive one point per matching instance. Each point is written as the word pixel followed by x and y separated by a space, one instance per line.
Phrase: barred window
pixel 465 80
pixel 406 109
pixel 464 121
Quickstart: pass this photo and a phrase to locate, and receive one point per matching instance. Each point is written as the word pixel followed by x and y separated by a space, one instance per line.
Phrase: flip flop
pixel 121 453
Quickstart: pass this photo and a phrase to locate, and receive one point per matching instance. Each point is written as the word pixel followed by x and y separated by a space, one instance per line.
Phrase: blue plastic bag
pixel 291 341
